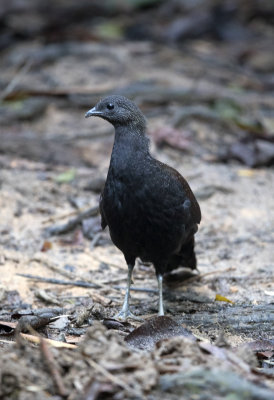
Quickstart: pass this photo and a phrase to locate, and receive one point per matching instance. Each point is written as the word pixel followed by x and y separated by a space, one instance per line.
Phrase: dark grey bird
pixel 148 206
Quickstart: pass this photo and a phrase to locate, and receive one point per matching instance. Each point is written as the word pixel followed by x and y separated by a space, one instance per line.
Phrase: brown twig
pixel 73 222
pixel 54 343
pixel 60 217
pixel 52 368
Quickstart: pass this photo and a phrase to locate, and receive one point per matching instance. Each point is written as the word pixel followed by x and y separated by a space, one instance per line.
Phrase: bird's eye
pixel 110 106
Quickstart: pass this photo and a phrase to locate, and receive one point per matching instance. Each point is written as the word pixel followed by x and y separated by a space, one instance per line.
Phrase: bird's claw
pixel 124 315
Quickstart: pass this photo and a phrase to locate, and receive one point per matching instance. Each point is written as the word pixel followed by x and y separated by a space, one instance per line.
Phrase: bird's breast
pixel 140 216
pixel 118 199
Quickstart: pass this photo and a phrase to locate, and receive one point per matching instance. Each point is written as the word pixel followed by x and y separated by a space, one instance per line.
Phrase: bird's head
pixel 119 111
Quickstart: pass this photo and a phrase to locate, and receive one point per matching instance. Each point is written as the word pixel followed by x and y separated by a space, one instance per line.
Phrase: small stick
pixel 73 222
pixel 95 240
pixel 84 284
pixel 54 343
pixel 52 368
pixel 61 281
pixel 63 216
pixel 54 281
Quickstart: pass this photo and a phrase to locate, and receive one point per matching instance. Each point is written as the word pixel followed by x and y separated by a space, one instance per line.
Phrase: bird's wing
pixel 103 218
pixel 195 208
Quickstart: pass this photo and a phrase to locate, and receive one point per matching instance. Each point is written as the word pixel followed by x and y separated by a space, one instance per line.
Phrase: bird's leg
pixel 160 285
pixel 125 311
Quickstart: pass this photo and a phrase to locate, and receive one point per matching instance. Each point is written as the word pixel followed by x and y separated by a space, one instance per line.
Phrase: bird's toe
pixel 124 315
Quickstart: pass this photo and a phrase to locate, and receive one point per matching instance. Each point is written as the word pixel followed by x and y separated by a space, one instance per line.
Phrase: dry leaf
pixel 46 246
pixel 219 297
pixel 154 330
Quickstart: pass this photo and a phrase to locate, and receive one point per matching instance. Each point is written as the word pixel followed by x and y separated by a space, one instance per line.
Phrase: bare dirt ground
pixel 211 118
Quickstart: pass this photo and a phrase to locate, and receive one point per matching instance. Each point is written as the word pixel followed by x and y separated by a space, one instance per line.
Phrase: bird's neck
pixel 131 147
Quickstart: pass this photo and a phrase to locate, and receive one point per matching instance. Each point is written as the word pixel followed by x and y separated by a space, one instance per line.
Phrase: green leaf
pixel 66 177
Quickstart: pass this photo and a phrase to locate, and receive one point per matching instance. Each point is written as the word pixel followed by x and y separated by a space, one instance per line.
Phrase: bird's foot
pixel 124 315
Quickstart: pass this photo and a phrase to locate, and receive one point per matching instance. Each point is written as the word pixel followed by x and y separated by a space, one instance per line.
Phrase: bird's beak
pixel 93 113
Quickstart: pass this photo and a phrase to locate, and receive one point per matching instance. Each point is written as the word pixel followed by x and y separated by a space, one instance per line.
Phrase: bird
pixel 150 209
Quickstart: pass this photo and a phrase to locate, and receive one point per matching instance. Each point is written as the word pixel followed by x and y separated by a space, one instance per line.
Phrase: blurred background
pixel 202 71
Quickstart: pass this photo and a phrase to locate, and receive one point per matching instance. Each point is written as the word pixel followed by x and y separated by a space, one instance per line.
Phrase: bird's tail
pixel 185 258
